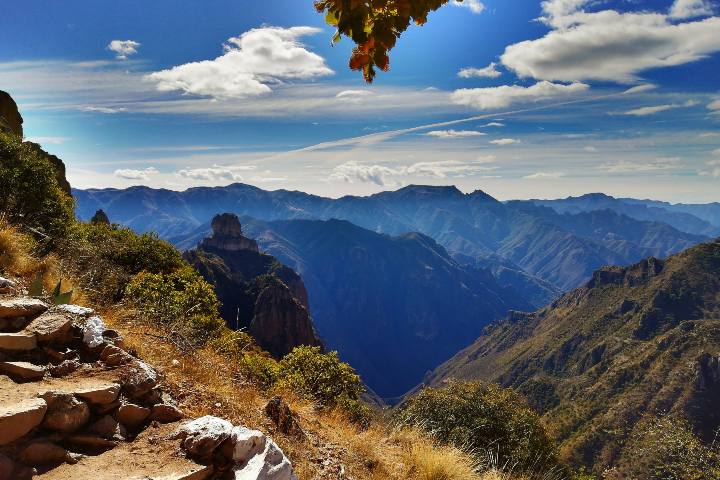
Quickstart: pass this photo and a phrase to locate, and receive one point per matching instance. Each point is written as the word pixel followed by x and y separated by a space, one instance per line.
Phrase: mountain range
pixel 634 341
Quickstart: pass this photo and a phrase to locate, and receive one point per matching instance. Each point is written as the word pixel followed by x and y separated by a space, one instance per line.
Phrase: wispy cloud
pixel 454 133
pixel 544 175
pixel 505 141
pixel 659 164
pixel 645 87
pixel 652 110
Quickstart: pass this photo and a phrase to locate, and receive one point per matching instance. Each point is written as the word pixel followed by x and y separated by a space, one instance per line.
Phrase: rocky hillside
pixel 634 341
pixel 257 293
pixel 76 404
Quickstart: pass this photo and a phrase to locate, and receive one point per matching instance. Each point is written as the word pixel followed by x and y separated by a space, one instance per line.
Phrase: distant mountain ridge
pixel 633 340
pixel 560 248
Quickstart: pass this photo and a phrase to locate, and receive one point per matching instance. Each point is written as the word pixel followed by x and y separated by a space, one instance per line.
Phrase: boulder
pixel 246 444
pixel 6 285
pixel 131 415
pixel 166 413
pixel 101 394
pixel 51 328
pixel 137 379
pixel 202 436
pixel 65 414
pixel 271 464
pixel 9 470
pixel 22 371
pixel 42 452
pixel 109 428
pixel 93 332
pixel 18 419
pixel 18 342
pixel 76 310
pixel 114 356
pixel 65 368
pixel 21 307
pixel 283 418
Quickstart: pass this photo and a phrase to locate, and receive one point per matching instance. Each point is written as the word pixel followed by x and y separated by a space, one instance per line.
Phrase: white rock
pixel 271 464
pixel 246 444
pixel 76 310
pixel 203 435
pixel 92 332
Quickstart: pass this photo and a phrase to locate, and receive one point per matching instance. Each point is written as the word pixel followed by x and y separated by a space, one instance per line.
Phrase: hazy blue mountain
pixel 563 249
pixel 696 219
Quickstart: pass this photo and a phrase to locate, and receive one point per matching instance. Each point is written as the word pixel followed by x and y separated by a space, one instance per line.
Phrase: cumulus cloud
pixel 449 168
pixel 682 9
pixel 653 109
pixel 454 133
pixel 252 62
pixel 216 173
pixel 487 72
pixel 123 48
pixel 506 95
pixel 645 87
pixel 714 105
pixel 505 141
pixel 475 6
pixel 544 175
pixel 608 45
pixel 354 172
pixel 132 174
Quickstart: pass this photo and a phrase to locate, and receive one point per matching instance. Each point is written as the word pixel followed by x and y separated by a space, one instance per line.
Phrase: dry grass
pixel 205 382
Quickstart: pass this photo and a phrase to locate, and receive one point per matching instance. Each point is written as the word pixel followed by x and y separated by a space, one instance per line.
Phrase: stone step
pixel 18 418
pixel 18 342
pixel 22 371
pixel 152 455
pixel 21 307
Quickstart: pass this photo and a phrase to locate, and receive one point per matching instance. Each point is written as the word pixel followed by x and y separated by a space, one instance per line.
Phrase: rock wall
pixel 10 118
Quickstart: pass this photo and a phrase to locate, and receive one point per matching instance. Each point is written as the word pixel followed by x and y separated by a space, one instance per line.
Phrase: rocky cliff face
pixel 10 118
pixel 257 292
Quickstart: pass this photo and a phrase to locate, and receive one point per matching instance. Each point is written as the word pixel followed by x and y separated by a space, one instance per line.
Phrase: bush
pixel 260 367
pixel 492 423
pixel 31 195
pixel 665 448
pixel 181 300
pixel 106 257
pixel 321 377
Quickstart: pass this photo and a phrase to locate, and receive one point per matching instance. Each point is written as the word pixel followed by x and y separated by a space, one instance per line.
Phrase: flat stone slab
pixel 100 393
pixel 50 327
pixel 17 419
pixel 22 370
pixel 21 307
pixel 18 342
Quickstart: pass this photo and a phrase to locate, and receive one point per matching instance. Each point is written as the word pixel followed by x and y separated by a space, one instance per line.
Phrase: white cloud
pixel 454 133
pixel 108 110
pixel 506 95
pixel 651 110
pixel 494 124
pixel 682 9
pixel 449 168
pixel 658 164
pixel 123 48
pixel 590 149
pixel 352 172
pixel 714 167
pixel 542 175
pixel 608 45
pixel 216 173
pixel 475 6
pixel 132 174
pixel 505 141
pixel 487 72
pixel 709 135
pixel 252 62
pixel 714 105
pixel 645 87
pixel 353 96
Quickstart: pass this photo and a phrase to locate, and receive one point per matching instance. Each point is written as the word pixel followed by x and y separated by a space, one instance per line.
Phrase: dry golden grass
pixel 204 382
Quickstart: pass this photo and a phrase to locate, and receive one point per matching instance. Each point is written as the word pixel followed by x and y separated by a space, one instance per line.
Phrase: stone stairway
pixel 75 404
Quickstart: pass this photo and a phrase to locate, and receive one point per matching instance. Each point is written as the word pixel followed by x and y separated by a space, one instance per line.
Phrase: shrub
pixel 259 367
pixel 319 376
pixel 31 195
pixel 492 423
pixel 105 257
pixel 182 300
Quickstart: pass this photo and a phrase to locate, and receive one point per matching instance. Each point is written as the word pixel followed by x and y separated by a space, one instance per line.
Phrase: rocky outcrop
pixel 10 118
pixel 106 417
pixel 227 235
pixel 257 292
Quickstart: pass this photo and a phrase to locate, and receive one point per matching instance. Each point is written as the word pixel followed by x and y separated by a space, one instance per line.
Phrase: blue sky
pixel 521 99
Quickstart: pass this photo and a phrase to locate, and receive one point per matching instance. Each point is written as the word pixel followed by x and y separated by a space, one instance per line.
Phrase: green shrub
pixel 321 377
pixel 182 300
pixel 104 258
pixel 665 448
pixel 31 195
pixel 492 423
pixel 261 368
